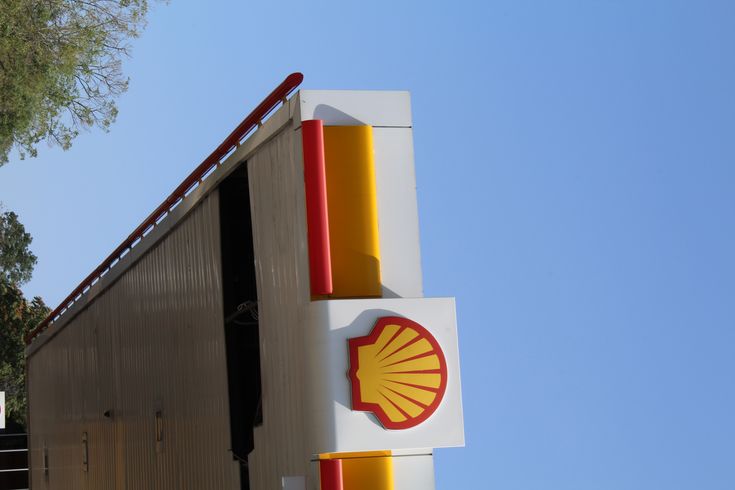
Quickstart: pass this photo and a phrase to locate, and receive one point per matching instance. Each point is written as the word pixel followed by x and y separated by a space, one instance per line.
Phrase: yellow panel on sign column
pixel 353 211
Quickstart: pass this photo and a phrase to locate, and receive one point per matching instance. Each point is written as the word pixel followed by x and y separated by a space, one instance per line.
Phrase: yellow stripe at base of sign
pixel 357 454
pixel 353 211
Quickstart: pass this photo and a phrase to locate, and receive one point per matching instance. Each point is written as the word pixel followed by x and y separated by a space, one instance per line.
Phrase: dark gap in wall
pixel 240 299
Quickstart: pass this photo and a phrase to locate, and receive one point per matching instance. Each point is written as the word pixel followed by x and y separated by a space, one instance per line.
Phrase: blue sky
pixel 576 182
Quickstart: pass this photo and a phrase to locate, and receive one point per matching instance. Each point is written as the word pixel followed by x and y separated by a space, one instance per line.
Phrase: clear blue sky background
pixel 576 183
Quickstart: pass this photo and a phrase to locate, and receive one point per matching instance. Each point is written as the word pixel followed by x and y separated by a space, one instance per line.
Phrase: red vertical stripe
pixel 330 474
pixel 315 179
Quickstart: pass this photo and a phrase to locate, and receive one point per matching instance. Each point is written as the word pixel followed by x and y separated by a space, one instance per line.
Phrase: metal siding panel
pixel 60 393
pixel 153 340
pixel 279 234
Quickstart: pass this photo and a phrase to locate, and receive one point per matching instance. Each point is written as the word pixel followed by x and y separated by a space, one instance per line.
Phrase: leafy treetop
pixel 60 68
pixel 16 260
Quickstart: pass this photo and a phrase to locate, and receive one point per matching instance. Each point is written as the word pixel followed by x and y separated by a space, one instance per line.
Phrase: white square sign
pixel 383 374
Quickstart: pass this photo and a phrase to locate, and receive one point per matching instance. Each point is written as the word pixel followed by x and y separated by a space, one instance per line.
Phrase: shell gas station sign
pixel 382 364
pixel 383 374
pixel 383 381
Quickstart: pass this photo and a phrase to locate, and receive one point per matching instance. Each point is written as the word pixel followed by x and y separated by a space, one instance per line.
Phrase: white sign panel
pixel 2 409
pixel 383 374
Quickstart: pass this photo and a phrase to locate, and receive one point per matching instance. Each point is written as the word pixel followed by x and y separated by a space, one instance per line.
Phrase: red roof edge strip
pixel 277 96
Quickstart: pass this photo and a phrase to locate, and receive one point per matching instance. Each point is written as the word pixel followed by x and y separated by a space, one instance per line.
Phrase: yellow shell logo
pixel 398 372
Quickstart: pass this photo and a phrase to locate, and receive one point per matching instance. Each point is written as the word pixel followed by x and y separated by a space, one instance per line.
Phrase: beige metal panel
pixel 60 403
pixel 153 341
pixel 100 342
pixel 279 234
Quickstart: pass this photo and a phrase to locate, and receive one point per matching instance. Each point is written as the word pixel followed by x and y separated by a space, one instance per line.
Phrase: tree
pixel 60 68
pixel 16 260
pixel 17 317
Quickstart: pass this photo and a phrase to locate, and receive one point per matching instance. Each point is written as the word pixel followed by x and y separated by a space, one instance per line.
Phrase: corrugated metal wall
pixel 279 234
pixel 154 341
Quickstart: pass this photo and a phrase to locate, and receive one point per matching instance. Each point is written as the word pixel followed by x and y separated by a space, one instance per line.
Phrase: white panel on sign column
pixel 2 409
pixel 415 472
pixel 357 107
pixel 335 426
pixel 398 216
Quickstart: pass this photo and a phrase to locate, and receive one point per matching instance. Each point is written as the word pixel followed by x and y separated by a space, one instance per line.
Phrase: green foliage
pixel 60 68
pixel 17 317
pixel 16 260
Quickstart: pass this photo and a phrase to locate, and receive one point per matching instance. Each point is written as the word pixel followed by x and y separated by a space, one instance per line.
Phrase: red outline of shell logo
pixel 398 372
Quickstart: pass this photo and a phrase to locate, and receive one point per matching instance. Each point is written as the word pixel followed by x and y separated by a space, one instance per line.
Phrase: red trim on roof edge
pixel 278 95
